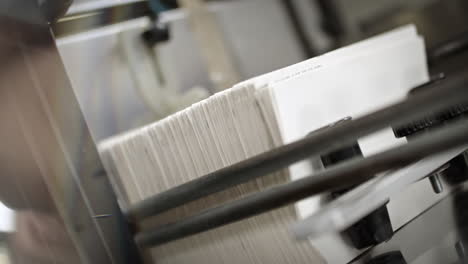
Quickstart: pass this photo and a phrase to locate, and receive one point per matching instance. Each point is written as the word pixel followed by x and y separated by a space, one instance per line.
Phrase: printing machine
pixel 48 140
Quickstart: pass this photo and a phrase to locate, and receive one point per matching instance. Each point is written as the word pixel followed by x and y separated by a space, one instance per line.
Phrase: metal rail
pixel 449 48
pixel 436 98
pixel 86 17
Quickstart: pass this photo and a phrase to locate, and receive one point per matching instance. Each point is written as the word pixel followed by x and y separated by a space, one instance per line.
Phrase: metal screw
pixel 436 183
pixel 435 179
pixel 102 216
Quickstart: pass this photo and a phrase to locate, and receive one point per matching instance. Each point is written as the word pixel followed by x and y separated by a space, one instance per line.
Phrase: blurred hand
pixel 40 236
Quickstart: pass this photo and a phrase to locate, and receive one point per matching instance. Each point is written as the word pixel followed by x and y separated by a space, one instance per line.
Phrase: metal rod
pixel 298 28
pixel 433 99
pixel 90 16
pixel 436 183
pixel 341 176
pixel 450 48
pixel 415 107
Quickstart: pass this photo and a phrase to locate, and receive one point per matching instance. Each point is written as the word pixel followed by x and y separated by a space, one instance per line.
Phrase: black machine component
pixel 438 235
pixel 451 47
pixel 393 257
pixel 158 32
pixel 170 3
pixel 375 227
pixel 457 170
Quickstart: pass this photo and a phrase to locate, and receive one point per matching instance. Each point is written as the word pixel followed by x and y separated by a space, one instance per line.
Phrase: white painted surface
pixel 6 220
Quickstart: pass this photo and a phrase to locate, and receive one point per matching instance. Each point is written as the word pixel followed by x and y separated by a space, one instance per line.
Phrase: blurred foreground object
pixel 212 44
pixel 50 172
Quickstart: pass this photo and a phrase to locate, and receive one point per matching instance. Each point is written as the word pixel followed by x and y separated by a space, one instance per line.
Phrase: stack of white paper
pixel 250 118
